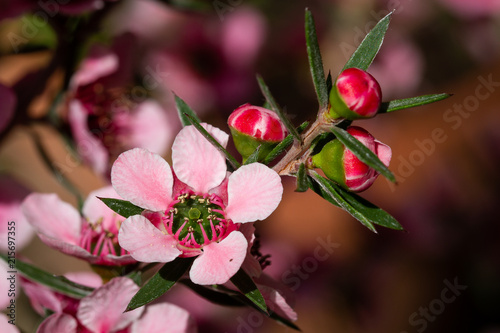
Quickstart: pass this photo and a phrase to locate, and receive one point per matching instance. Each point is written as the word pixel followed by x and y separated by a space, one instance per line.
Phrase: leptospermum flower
pixel 92 237
pixel 103 312
pixel 343 167
pixel 196 210
pixel 105 116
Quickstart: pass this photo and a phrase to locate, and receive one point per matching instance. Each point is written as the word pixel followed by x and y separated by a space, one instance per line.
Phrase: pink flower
pixel 197 209
pixel 92 238
pixel 343 167
pixel 210 64
pixel 9 101
pixel 12 219
pixel 356 94
pixel 476 8
pixel 103 311
pixel 107 117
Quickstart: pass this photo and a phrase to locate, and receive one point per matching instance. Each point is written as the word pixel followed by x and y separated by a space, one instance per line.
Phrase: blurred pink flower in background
pixel 8 107
pixel 198 209
pixel 399 67
pixel 108 115
pixel 92 238
pixel 12 219
pixel 5 326
pixel 473 8
pixel 43 298
pixel 210 63
pixel 102 311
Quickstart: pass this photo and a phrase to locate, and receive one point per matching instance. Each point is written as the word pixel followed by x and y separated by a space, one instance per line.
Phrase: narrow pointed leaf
pixel 245 284
pixel 122 207
pixel 302 184
pixel 234 163
pixel 364 154
pixel 315 61
pixel 406 103
pixel 329 82
pixel 330 193
pixel 373 213
pixel 283 145
pixel 161 282
pixel 363 57
pixel 276 108
pixel 54 282
pixel 183 109
pixel 254 157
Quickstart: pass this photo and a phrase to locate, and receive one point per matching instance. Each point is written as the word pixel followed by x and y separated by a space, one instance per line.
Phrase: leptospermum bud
pixel 356 94
pixel 343 167
pixel 253 126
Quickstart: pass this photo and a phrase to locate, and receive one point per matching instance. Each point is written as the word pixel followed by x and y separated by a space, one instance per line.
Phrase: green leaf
pixel 245 284
pixel 363 57
pixel 370 211
pixel 160 283
pixel 122 207
pixel 254 157
pixel 329 191
pixel 362 152
pixel 406 103
pixel 283 145
pixel 276 108
pixel 57 283
pixel 302 184
pixel 234 163
pixel 183 109
pixel 315 61
pixel 329 82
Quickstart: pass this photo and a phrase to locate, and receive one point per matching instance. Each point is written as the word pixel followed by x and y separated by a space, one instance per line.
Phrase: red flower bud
pixel 343 167
pixel 356 94
pixel 253 126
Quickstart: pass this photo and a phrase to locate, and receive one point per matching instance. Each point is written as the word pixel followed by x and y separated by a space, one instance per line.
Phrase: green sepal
pixel 247 146
pixel 331 160
pixel 362 152
pixel 54 282
pixel 406 103
pixel 338 107
pixel 315 61
pixel 122 207
pixel 363 57
pixel 245 284
pixel 161 282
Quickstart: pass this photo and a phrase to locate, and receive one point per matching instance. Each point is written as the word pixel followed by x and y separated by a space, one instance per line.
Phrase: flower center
pixel 196 220
pixel 101 242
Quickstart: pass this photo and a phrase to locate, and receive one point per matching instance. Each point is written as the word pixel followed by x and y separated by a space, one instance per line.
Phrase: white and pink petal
pixel 52 217
pixel 254 192
pixel 145 242
pixel 196 161
pixel 219 261
pixel 143 178
pixel 103 310
pixel 158 317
